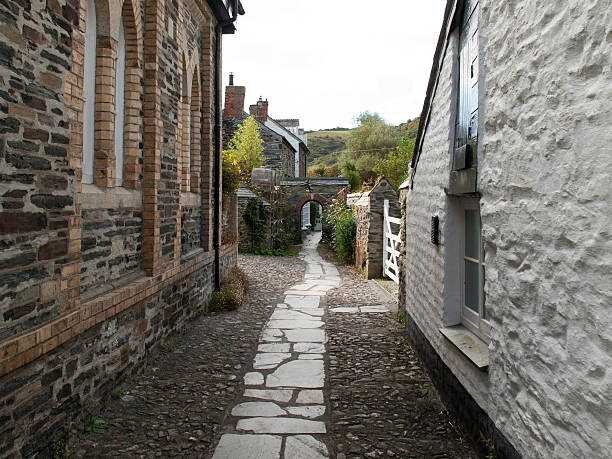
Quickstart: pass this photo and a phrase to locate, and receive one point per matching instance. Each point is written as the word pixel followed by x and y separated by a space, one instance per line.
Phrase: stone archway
pixel 311 197
pixel 319 189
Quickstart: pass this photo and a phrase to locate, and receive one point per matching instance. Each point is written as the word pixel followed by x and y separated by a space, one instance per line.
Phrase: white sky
pixel 326 61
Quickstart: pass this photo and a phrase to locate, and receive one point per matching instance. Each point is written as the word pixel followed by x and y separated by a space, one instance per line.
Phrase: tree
pixel 369 143
pixel 394 166
pixel 246 147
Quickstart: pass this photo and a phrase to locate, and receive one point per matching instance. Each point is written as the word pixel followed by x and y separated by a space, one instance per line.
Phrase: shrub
pixel 346 230
pixel 231 293
pixel 230 172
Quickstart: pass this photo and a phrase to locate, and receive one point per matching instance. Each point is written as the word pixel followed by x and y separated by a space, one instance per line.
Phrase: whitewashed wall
pixel 545 178
pixel 546 210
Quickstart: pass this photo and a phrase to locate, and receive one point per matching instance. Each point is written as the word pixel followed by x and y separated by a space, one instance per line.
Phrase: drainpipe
pixel 218 143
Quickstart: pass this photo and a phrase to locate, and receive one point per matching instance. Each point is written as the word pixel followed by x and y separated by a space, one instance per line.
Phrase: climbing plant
pixel 257 217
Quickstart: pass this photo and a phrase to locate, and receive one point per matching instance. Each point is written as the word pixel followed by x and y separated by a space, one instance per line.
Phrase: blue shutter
pixel 466 128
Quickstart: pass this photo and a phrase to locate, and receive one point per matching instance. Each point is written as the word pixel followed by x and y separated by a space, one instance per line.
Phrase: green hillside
pixel 327 145
pixel 322 144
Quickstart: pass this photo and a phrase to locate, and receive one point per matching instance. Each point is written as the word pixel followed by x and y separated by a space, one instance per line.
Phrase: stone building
pixel 507 224
pixel 278 153
pixel 110 192
pixel 290 131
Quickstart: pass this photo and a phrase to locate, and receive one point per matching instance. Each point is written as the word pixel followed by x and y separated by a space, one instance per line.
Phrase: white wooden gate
pixel 391 245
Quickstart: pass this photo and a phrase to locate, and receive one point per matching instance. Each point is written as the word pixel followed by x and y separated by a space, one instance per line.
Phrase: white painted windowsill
pixel 475 349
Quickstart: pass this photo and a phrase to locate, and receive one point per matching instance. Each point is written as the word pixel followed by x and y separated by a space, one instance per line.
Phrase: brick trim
pixel 132 154
pixel 207 78
pixel 151 247
pixel 104 136
pixel 195 148
pixel 311 197
pixel 21 350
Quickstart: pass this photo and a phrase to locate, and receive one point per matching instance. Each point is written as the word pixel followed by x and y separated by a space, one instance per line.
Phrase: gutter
pixel 218 140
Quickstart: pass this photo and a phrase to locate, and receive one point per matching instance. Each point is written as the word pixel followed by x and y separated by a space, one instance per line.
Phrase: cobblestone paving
pixel 382 401
pixel 377 400
pixel 175 408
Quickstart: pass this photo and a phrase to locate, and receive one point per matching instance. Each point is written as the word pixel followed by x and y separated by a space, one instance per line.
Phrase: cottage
pixel 289 130
pixel 278 153
pixel 506 279
pixel 111 214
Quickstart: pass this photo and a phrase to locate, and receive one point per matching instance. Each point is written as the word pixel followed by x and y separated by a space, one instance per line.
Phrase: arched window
pixel 119 104
pixel 89 93
pixel 195 144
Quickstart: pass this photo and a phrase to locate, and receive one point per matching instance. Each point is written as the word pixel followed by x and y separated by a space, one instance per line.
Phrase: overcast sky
pixel 326 61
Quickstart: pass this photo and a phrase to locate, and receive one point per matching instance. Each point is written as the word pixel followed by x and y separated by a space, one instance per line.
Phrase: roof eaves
pixel 449 14
pixel 285 129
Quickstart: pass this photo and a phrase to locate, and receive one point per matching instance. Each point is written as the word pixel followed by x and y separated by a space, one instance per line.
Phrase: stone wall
pixel 191 229
pixel 40 398
pixel 369 237
pixel 110 247
pixel 302 190
pixel 37 176
pixel 543 166
pixel 93 277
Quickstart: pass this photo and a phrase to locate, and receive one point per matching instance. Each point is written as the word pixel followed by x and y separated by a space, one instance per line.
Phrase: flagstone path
pixel 282 411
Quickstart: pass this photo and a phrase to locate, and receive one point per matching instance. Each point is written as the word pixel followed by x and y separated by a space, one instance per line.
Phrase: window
pixel 119 104
pixel 473 309
pixel 466 125
pixel 89 93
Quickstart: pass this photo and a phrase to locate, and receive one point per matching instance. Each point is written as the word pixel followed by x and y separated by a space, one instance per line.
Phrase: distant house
pixel 289 129
pixel 279 153
pixel 507 272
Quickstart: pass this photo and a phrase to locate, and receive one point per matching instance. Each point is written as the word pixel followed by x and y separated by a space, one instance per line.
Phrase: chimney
pixel 261 113
pixel 234 99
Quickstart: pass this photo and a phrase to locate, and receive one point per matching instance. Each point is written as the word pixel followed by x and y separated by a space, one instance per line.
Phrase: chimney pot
pixel 231 79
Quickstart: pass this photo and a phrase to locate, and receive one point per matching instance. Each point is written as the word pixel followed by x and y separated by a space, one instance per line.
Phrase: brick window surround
pixel 105 173
pixel 190 127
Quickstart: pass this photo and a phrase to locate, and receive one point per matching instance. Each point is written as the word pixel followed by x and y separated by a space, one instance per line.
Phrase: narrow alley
pixel 313 365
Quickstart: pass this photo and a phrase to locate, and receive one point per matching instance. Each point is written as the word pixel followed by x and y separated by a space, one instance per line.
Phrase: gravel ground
pixel 176 406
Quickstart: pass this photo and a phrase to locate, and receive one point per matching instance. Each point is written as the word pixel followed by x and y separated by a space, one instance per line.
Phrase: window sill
pixel 95 197
pixel 469 344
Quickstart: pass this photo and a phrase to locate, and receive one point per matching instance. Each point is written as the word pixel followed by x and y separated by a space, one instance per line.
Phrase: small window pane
pixel 471 234
pixel 472 285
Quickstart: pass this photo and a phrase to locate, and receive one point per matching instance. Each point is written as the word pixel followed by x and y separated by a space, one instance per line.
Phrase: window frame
pixel 119 127
pixel 477 323
pixel 88 174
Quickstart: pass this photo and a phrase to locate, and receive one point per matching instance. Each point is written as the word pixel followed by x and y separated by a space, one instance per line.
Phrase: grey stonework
pixel 37 180
pixel 191 229
pixel 110 245
pixel 369 238
pixel 62 387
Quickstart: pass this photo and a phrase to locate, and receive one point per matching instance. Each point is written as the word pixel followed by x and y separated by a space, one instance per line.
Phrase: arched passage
pixel 310 197
pixel 310 216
